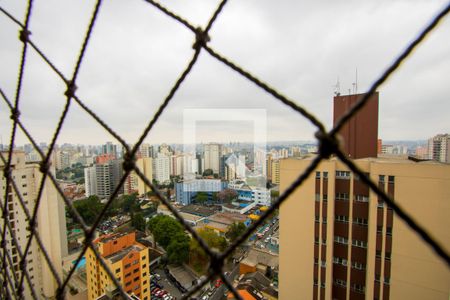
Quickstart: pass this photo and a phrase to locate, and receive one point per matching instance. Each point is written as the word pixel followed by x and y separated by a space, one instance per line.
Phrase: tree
pixel 178 249
pixel 88 208
pixel 227 195
pixel 164 228
pixel 208 172
pixel 201 197
pixel 235 230
pixel 198 258
pixel 138 221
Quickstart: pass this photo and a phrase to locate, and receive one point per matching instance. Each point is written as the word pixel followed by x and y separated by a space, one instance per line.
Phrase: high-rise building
pixel 360 133
pixel 127 259
pixel 212 154
pixel 109 148
pixel 439 148
pixel 269 166
pixel 276 171
pixel 108 176
pixel 341 242
pixel 145 165
pixel 50 225
pixel 90 181
pixel 340 239
pixel 161 168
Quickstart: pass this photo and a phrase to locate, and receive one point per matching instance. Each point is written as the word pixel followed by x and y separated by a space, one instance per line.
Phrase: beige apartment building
pixel 51 226
pixel 339 241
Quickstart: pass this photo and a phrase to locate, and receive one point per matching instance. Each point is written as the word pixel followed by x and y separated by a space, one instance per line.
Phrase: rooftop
pixel 198 210
pixel 119 255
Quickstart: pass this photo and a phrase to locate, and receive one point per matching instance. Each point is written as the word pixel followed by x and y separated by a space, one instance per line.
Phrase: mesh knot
pixel 23 264
pixel 201 38
pixel 128 162
pixel 328 144
pixel 71 88
pixel 24 35
pixel 31 224
pixel 20 290
pixel 44 167
pixel 15 114
pixel 7 172
pixel 3 244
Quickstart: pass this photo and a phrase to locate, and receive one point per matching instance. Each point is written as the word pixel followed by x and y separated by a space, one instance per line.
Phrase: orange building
pixel 126 258
pixel 104 158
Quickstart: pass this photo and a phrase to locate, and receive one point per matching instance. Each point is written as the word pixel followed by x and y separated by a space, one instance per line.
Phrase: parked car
pixel 218 283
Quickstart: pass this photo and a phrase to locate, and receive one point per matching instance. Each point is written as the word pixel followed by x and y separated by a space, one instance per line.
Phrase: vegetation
pixel 227 195
pixel 201 197
pixel 73 173
pixel 208 172
pixel 235 230
pixel 171 236
pixel 138 221
pixel 88 208
pixel 198 257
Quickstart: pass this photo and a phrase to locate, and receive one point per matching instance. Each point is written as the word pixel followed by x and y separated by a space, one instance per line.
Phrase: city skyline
pixel 279 33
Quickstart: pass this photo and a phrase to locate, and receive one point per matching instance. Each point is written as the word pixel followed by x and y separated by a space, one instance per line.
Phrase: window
pixel 377 277
pixel 387 280
pixel 317 197
pixel 136 279
pixel 391 179
pixel 380 203
pixel 360 221
pixel 128 274
pixel 323 263
pixel 342 174
pixel 318 175
pixel 136 270
pixel 144 274
pixel 358 288
pixel 127 266
pixel 316 282
pixel 340 240
pixel 128 283
pixel 340 261
pixel 389 231
pixel 118 270
pixel 358 266
pixel 316 240
pixel 143 257
pixel 317 219
pixel 378 253
pixel 387 256
pixel 316 261
pixel 379 229
pixel 325 174
pixel 325 197
pixel 381 178
pixel 343 219
pixel 340 282
pixel 359 243
pixel 322 285
pixel 324 241
pixel 342 196
pixel 324 220
pixel 361 198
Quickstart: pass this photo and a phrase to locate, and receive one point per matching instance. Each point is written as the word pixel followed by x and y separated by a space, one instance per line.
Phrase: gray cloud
pixel 300 48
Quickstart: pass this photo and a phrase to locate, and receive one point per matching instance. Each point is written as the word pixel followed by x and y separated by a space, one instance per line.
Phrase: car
pixel 158 277
pixel 205 297
pixel 218 283
pixel 210 292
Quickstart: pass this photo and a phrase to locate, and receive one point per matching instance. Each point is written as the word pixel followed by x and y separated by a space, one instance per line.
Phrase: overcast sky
pixel 299 47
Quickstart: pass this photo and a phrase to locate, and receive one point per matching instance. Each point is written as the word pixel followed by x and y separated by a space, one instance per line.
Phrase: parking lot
pixel 166 284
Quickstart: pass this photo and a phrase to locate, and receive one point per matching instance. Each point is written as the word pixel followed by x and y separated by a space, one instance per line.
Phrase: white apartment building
pixel 51 226
pixel 161 168
pixel 212 154
pixel 90 181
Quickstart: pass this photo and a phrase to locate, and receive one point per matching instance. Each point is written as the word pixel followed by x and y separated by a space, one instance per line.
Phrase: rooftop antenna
pixel 337 88
pixel 355 84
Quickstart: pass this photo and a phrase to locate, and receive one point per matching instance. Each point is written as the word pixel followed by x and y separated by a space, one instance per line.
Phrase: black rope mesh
pixel 13 285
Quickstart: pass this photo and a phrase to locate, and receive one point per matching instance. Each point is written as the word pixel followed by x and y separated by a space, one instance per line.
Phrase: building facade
pixel 51 226
pixel 161 168
pixel 341 242
pixel 439 148
pixel 212 154
pixel 126 258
